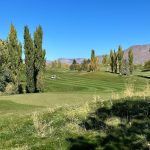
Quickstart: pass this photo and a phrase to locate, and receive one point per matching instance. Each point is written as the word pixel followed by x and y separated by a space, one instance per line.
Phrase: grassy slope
pixel 60 128
pixel 70 88
pixel 94 126
pixel 98 82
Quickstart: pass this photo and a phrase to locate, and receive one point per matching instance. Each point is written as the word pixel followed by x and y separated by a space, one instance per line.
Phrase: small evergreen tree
pixel 112 61
pixel 130 60
pixel 104 60
pixel 73 66
pixel 115 61
pixel 93 61
pixel 85 65
pixel 120 57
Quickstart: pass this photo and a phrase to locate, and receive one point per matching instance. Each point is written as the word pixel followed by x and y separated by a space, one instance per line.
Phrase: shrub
pixel 147 65
pixel 125 68
pixel 10 89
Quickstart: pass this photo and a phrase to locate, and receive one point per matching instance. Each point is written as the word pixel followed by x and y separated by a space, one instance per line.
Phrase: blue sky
pixel 73 27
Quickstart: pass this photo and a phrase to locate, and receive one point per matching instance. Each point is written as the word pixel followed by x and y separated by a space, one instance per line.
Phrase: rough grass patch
pixel 42 128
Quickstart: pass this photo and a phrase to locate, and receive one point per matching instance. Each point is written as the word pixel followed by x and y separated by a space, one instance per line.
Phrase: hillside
pixel 141 54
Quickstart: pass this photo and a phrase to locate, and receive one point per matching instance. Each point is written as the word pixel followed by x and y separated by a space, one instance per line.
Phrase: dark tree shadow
pixel 146 77
pixel 81 143
pixel 131 133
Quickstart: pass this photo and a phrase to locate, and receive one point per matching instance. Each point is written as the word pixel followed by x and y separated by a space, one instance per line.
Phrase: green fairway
pixel 70 88
pixel 94 82
pixel 52 120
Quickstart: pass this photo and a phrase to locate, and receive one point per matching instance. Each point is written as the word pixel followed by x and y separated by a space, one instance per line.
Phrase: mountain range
pixel 141 54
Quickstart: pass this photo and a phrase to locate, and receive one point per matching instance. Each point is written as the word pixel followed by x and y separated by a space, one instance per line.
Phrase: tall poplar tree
pixel 4 63
pixel 120 58
pixel 112 61
pixel 115 61
pixel 130 60
pixel 29 61
pixel 15 52
pixel 93 61
pixel 39 59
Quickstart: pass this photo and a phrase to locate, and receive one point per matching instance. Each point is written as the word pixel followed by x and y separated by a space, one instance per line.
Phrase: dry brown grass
pixel 42 128
pixel 130 91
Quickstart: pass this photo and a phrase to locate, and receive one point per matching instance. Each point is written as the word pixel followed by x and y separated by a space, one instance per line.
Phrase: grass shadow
pixel 81 143
pixel 146 77
pixel 10 106
pixel 131 132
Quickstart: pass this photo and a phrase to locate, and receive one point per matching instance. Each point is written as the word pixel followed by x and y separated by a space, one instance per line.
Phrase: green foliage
pixel 54 64
pixel 11 63
pixel 125 68
pixel 59 64
pixel 120 57
pixel 115 61
pixel 11 89
pixel 34 60
pixel 29 61
pixel 5 75
pixel 104 60
pixel 4 54
pixel 39 57
pixel 147 65
pixel 85 65
pixel 130 59
pixel 15 61
pixel 74 64
pixel 93 64
pixel 112 60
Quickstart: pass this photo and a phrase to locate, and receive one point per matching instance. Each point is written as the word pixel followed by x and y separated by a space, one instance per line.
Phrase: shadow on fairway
pixel 146 77
pixel 10 106
pixel 132 132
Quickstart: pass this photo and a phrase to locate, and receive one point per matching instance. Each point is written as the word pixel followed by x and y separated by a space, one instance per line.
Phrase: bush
pixel 10 89
pixel 5 78
pixel 147 65
pixel 2 84
pixel 125 68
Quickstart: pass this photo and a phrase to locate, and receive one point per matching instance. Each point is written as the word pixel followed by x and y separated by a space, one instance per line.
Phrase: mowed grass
pixel 91 82
pixel 70 88
pixel 38 102
pixel 67 116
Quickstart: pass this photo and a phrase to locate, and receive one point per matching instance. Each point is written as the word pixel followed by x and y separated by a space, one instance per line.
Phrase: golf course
pixel 52 117
pixel 74 75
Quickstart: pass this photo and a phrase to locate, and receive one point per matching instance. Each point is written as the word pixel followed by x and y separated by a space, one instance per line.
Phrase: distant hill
pixel 141 54
pixel 69 61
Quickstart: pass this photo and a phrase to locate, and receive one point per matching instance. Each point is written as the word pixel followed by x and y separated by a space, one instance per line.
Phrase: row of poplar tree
pixel 12 66
pixel 117 61
pixel 87 64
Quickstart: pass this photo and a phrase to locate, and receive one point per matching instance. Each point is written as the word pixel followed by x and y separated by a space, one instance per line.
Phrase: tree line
pixel 13 67
pixel 117 62
pixel 87 64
